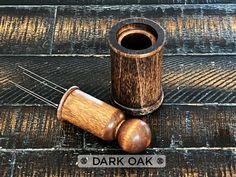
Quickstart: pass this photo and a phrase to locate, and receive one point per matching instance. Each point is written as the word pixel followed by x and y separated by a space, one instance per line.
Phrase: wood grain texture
pixel 189 28
pixel 198 140
pixel 184 127
pixel 90 114
pixel 186 79
pixel 136 83
pixel 171 127
pixel 112 2
pixel 7 163
pixel 36 127
pixel 136 50
pixel 134 136
pixel 179 163
pixel 26 30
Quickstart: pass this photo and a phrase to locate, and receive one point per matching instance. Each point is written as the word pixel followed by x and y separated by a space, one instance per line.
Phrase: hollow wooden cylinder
pixel 136 48
pixel 90 114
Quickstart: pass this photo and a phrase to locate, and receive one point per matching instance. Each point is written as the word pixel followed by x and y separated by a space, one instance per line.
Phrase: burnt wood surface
pixel 195 126
pixel 37 127
pixel 186 79
pixel 178 124
pixel 111 2
pixel 26 30
pixel 83 29
pixel 63 163
pixel 189 29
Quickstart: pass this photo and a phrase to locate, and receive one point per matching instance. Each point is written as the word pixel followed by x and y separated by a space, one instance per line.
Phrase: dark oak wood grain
pixel 103 120
pixel 90 114
pixel 189 28
pixel 134 135
pixel 184 127
pixel 112 2
pixel 186 79
pixel 171 126
pixel 6 163
pixel 26 30
pixel 195 128
pixel 36 127
pixel 136 50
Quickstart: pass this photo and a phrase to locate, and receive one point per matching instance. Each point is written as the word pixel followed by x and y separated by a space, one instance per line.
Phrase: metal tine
pixel 43 79
pixel 45 100
pixel 43 82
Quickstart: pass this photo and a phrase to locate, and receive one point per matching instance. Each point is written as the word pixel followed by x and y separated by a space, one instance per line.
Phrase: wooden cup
pixel 136 48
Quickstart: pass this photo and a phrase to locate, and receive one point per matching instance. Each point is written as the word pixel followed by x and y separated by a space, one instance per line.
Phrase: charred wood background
pixel 195 127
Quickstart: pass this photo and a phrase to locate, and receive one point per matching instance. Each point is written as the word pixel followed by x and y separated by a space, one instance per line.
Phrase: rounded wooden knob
pixel 134 135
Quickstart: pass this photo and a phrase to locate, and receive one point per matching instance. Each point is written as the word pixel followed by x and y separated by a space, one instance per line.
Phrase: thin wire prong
pixel 35 94
pixel 43 82
pixel 42 78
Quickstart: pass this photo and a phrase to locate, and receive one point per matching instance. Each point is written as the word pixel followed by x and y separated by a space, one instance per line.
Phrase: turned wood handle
pixel 89 113
pixel 103 120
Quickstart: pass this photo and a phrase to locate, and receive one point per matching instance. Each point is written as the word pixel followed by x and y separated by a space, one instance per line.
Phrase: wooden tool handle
pixel 134 135
pixel 103 120
pixel 89 113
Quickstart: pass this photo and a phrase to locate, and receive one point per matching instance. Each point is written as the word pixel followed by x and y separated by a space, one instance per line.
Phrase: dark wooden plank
pixel 36 127
pixel 26 30
pixel 179 163
pixel 186 79
pixel 184 126
pixel 112 2
pixel 7 163
pixel 189 28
